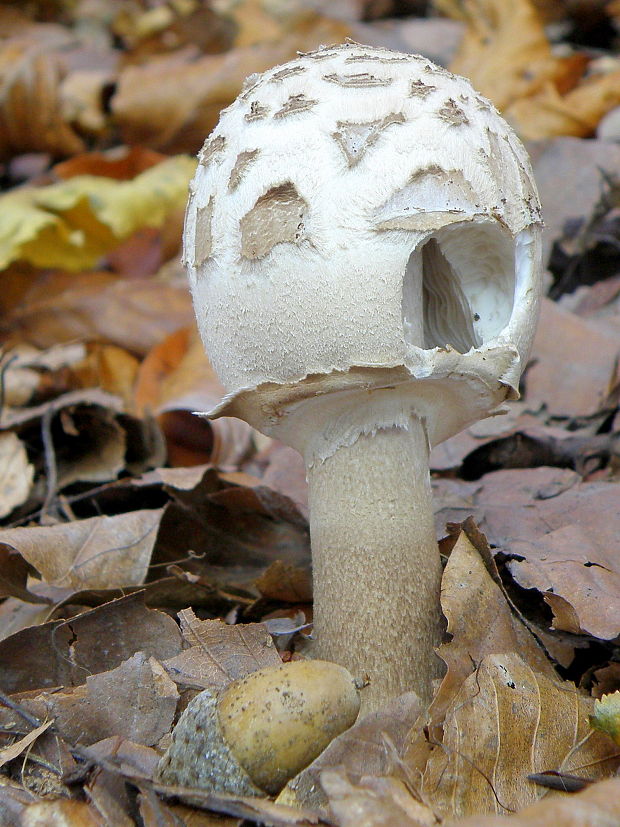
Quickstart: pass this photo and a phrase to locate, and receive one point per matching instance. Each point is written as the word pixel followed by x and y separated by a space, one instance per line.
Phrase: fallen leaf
pixel 72 224
pixel 507 56
pixel 285 472
pixel 374 801
pixel 109 367
pixel 14 573
pixel 568 175
pixel 504 51
pixel 219 653
pixel 31 116
pixel 136 700
pixel 61 813
pixel 506 722
pixel 548 113
pixel 285 582
pixel 596 806
pixel 244 529
pixel 569 564
pixel 124 164
pixel 156 813
pixel 481 622
pixel 14 750
pixel 606 716
pixel 16 615
pixel 174 382
pixel 64 307
pixel 102 552
pixel 64 652
pixel 257 810
pixel 370 748
pixel 565 339
pixel 191 91
pixel 16 473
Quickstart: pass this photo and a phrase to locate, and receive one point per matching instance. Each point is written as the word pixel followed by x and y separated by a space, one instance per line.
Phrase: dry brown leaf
pixel 506 722
pixel 526 504
pixel 370 748
pixel 31 116
pixel 109 367
pixel 101 552
pixel 123 164
pixel 504 52
pixel 16 615
pixel 245 529
pixel 285 472
pixel 219 653
pixel 255 810
pixel 14 573
pixel 565 339
pixel 548 113
pixel 578 578
pixel 14 799
pixel 136 700
pixel 596 806
pixel 191 92
pixel 61 813
pixel 26 370
pixel 506 55
pixel 16 473
pixel 375 801
pixel 134 314
pixel 480 622
pixel 174 381
pixel 63 653
pixel 14 750
pixel 156 813
pixel 282 581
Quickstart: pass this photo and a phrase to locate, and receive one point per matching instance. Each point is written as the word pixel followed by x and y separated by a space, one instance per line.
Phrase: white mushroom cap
pixel 363 222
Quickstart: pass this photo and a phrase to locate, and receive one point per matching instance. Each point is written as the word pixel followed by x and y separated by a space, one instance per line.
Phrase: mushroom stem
pixel 376 565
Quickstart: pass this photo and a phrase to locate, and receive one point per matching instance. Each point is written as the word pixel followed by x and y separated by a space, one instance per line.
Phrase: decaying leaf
pixel 571 570
pixel 72 224
pixel 14 750
pixel 31 116
pixel 506 55
pixel 175 381
pixel 480 625
pixel 191 92
pixel 64 307
pixel 374 801
pixel 505 722
pixel 370 748
pixel 136 700
pixel 597 806
pixel 16 473
pixel 102 552
pixel 219 653
pixel 65 652
pixel 563 338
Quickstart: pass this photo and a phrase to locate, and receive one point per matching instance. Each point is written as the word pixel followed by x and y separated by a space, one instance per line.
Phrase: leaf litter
pixel 147 553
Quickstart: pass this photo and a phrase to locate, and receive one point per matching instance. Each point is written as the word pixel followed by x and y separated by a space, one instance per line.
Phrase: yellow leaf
pixel 72 224
pixel 606 717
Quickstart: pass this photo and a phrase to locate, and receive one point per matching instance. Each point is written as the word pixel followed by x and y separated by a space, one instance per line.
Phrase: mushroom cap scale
pixel 363 222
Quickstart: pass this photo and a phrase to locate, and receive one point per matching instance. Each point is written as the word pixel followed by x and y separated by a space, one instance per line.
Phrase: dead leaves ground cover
pixel 146 554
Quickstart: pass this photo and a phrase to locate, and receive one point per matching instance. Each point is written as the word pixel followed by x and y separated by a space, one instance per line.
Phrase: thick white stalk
pixel 376 566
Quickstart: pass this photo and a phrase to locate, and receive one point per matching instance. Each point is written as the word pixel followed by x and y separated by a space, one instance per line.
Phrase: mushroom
pixel 363 246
